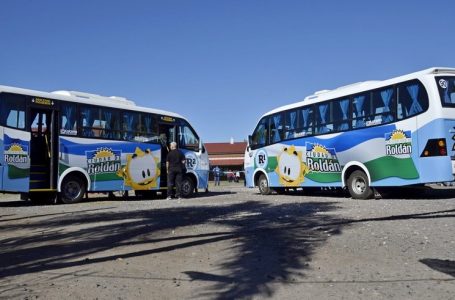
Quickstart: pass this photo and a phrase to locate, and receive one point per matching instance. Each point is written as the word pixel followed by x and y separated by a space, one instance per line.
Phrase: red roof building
pixel 226 155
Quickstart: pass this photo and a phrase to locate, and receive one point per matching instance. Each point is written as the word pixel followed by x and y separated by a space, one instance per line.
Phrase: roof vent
pixel 88 96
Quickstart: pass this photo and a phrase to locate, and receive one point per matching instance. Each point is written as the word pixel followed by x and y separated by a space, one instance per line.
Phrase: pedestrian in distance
pixel 175 164
pixel 216 175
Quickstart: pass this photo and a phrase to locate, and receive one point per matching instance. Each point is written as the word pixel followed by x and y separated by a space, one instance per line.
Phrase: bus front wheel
pixel 263 185
pixel 73 189
pixel 358 185
pixel 187 187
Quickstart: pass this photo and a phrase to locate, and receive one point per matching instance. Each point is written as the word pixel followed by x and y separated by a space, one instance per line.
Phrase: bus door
pixel 167 135
pixel 43 149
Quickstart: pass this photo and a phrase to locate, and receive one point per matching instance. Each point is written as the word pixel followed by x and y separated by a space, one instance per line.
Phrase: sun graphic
pixel 15 148
pixel 291 169
pixel 320 149
pixel 142 170
pixel 104 153
pixel 397 135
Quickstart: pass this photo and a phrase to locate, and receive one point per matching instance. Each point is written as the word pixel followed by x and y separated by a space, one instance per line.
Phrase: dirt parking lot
pixel 231 243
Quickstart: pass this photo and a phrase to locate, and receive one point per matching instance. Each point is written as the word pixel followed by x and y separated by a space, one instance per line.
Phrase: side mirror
pixel 201 147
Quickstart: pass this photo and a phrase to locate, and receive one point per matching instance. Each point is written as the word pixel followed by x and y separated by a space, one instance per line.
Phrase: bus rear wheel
pixel 358 185
pixel 263 185
pixel 187 187
pixel 73 189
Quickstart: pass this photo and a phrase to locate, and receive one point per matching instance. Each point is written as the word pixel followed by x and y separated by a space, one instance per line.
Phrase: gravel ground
pixel 231 243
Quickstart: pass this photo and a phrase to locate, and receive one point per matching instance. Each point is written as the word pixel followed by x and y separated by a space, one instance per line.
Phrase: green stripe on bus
pixel 389 166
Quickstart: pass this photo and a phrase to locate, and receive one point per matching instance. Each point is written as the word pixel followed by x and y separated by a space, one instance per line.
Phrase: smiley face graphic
pixel 141 171
pixel 291 169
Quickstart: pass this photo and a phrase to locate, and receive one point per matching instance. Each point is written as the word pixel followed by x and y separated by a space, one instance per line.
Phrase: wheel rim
pixel 72 190
pixel 263 185
pixel 186 187
pixel 359 185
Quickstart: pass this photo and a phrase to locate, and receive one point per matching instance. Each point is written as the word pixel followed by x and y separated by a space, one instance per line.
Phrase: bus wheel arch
pixel 357 180
pixel 72 186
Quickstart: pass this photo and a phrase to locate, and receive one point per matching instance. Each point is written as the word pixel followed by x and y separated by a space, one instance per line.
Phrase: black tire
pixel 73 189
pixel 263 185
pixel 358 186
pixel 187 187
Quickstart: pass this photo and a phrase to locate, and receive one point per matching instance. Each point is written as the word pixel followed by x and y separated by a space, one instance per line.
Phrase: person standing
pixel 217 175
pixel 175 162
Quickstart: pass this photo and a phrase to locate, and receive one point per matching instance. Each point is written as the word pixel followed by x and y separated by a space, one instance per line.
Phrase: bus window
pixel 130 126
pixel 360 109
pixel 68 119
pixel 383 106
pixel 305 122
pixel 324 118
pixel 446 87
pixel 412 99
pixel 290 120
pixel 12 110
pixel 150 128
pixel 110 121
pixel 188 138
pixel 340 114
pixel 89 119
pixel 276 128
pixel 39 123
pixel 260 134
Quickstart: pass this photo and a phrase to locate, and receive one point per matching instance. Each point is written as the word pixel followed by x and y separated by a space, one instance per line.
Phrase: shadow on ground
pixel 270 242
pixel 444 266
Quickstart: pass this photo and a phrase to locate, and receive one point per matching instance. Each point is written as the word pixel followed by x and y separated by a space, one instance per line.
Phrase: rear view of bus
pixel 442 142
pixel 367 135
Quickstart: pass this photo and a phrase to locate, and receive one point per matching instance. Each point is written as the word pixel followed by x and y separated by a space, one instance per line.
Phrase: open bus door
pixel 167 135
pixel 43 148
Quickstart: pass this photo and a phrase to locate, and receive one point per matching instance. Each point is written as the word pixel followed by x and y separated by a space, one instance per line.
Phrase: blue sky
pixel 221 64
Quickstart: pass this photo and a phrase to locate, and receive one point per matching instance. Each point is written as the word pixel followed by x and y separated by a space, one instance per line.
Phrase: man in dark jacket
pixel 175 163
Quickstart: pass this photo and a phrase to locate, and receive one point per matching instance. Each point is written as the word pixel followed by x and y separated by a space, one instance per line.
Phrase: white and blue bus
pixel 64 144
pixel 396 132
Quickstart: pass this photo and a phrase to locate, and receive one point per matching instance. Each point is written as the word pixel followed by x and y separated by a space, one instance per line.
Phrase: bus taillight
pixel 435 147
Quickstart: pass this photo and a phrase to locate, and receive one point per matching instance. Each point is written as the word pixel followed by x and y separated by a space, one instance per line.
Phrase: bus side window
pixel 68 119
pixel 89 120
pixel 383 106
pixel 290 121
pixel 340 114
pixel 412 99
pixel 260 134
pixel 305 122
pixel 130 125
pixel 360 110
pixel 187 138
pixel 150 123
pixel 276 128
pixel 12 110
pixel 109 122
pixel 324 118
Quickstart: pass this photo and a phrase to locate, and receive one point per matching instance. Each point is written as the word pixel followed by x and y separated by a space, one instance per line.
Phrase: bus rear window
pixel 446 88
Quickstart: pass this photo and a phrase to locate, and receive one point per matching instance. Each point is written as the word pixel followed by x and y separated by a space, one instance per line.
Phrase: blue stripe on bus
pixel 70 147
pixel 345 140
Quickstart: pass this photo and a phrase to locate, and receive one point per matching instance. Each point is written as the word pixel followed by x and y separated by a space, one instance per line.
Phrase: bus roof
pixel 360 87
pixel 87 98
